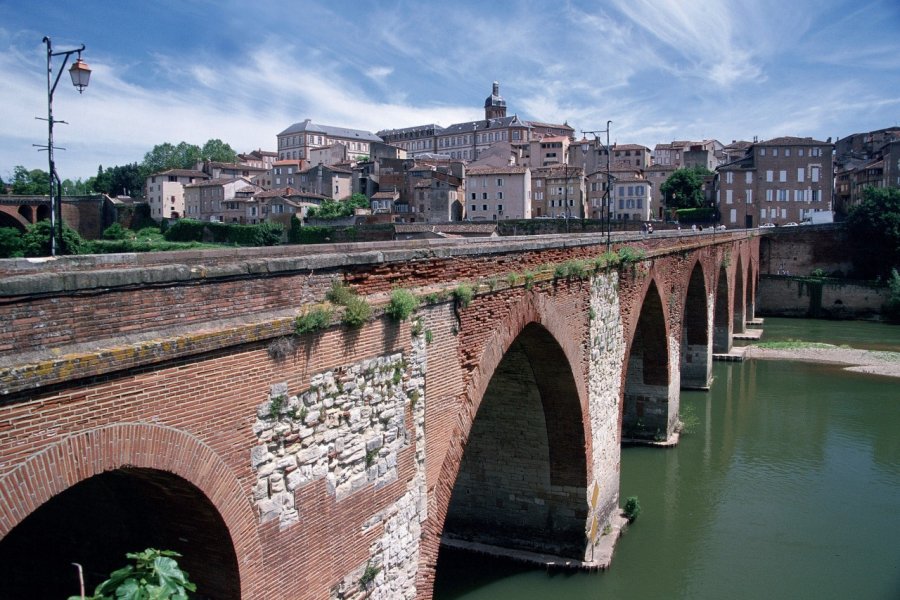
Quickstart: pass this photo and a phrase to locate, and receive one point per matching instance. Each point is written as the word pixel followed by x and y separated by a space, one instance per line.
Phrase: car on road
pixel 791 224
pixel 767 225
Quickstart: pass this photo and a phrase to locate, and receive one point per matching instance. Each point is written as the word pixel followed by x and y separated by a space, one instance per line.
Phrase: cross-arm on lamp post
pixel 81 75
pixel 607 192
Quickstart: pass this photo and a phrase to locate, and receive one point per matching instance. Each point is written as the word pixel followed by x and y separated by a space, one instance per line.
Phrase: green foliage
pixel 463 294
pixel 340 293
pixel 416 328
pixel 116 232
pixel 319 317
pixel 155 575
pixel 311 234
pixel 683 188
pixel 167 156
pixel 338 209
pixel 874 231
pixel 189 230
pixel 632 508
pixel 356 312
pixel 511 279
pixel 401 305
pixel 368 576
pixel 528 277
pixel 892 307
pixel 818 274
pixel 218 151
pixel 30 183
pixel 11 244
pixel 429 336
pixel 127 180
pixel 629 256
pixel 696 215
pixel 36 240
pixel 276 404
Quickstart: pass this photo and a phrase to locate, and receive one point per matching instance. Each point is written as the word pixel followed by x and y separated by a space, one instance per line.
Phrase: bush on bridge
pixel 401 305
pixel 155 574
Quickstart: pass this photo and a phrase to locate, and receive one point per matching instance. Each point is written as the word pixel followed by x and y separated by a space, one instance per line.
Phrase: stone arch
pixel 721 314
pixel 536 332
pixel 27 213
pixel 645 406
pixel 150 451
pixel 696 342
pixel 9 218
pixel 738 313
pixel 42 213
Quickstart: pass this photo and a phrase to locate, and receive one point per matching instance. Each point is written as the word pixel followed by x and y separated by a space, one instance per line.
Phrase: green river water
pixel 789 487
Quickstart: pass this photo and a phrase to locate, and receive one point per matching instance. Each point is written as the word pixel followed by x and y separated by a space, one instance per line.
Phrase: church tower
pixel 494 105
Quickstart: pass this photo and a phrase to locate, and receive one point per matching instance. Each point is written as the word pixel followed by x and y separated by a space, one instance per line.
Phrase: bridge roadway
pixel 165 400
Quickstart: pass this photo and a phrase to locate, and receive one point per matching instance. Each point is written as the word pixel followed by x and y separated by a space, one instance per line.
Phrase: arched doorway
pixel 696 355
pixel 721 320
pixel 645 411
pixel 97 521
pixel 522 480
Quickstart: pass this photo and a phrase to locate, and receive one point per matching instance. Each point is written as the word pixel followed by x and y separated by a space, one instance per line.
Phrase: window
pixel 814 196
pixel 769 175
pixel 729 177
pixel 499 195
pixel 499 182
pixel 748 177
pixel 782 195
pixel 539 183
pixel 800 152
pixel 500 208
pixel 484 195
pixel 800 174
pixel 729 199
pixel 474 208
pixel 762 151
pixel 814 172
pixel 787 152
pixel 474 195
pixel 749 196
pixel 733 215
pixel 782 176
pixel 484 207
pixel 768 195
pixel 639 190
pixel 774 151
pixel 639 203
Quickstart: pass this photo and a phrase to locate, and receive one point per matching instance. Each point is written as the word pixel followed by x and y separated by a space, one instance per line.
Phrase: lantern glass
pixel 81 75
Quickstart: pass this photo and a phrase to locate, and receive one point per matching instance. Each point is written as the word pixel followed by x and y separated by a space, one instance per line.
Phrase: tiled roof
pixel 549 125
pixel 385 195
pixel 792 141
pixel 219 181
pixel 556 171
pixel 234 166
pixel 183 173
pixel 497 171
pixel 308 126
pixel 482 125
pixel 630 147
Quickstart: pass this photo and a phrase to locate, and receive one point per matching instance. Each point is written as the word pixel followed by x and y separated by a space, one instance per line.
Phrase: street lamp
pixel 606 193
pixel 81 75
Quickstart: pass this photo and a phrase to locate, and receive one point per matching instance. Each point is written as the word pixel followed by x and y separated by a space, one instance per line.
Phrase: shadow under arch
pixel 696 350
pixel 97 521
pixel 721 315
pixel 521 477
pixel 645 406
pixel 151 457
pixel 738 313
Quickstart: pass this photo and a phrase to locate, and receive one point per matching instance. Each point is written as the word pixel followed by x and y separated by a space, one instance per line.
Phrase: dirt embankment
pixel 860 361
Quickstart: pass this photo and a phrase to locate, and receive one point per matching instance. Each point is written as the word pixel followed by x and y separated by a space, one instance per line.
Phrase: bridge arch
pixel 528 394
pixel 721 314
pixel 10 218
pixel 738 313
pixel 135 471
pixel 696 348
pixel 646 404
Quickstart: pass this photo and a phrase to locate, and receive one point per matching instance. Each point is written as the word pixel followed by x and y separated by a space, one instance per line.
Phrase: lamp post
pixel 81 75
pixel 607 194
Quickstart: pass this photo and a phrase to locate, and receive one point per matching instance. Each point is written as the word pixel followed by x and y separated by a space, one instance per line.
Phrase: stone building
pixel 218 199
pixel 296 142
pixel 497 193
pixel 558 191
pixel 164 191
pixel 779 181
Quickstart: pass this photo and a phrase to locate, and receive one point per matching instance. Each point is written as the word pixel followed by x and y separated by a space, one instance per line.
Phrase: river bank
pixel 873 362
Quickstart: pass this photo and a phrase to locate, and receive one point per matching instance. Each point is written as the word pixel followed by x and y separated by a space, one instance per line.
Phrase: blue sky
pixel 243 71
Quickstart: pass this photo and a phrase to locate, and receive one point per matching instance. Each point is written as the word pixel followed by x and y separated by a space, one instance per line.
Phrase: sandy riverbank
pixel 861 361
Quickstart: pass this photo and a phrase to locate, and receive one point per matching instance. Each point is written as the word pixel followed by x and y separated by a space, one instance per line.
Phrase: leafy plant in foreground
pixel 155 575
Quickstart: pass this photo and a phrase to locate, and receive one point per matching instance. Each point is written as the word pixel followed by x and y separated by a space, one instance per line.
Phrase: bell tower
pixel 495 105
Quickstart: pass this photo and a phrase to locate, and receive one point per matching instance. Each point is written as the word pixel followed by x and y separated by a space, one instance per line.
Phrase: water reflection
pixel 787 489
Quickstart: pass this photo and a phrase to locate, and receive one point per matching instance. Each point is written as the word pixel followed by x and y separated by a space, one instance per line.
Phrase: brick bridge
pixel 164 400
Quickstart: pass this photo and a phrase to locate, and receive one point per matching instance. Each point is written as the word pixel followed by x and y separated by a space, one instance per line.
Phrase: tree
pixel 36 240
pixel 219 151
pixel 165 156
pixel 10 242
pixel 119 180
pixel 684 188
pixel 874 230
pixel 30 183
